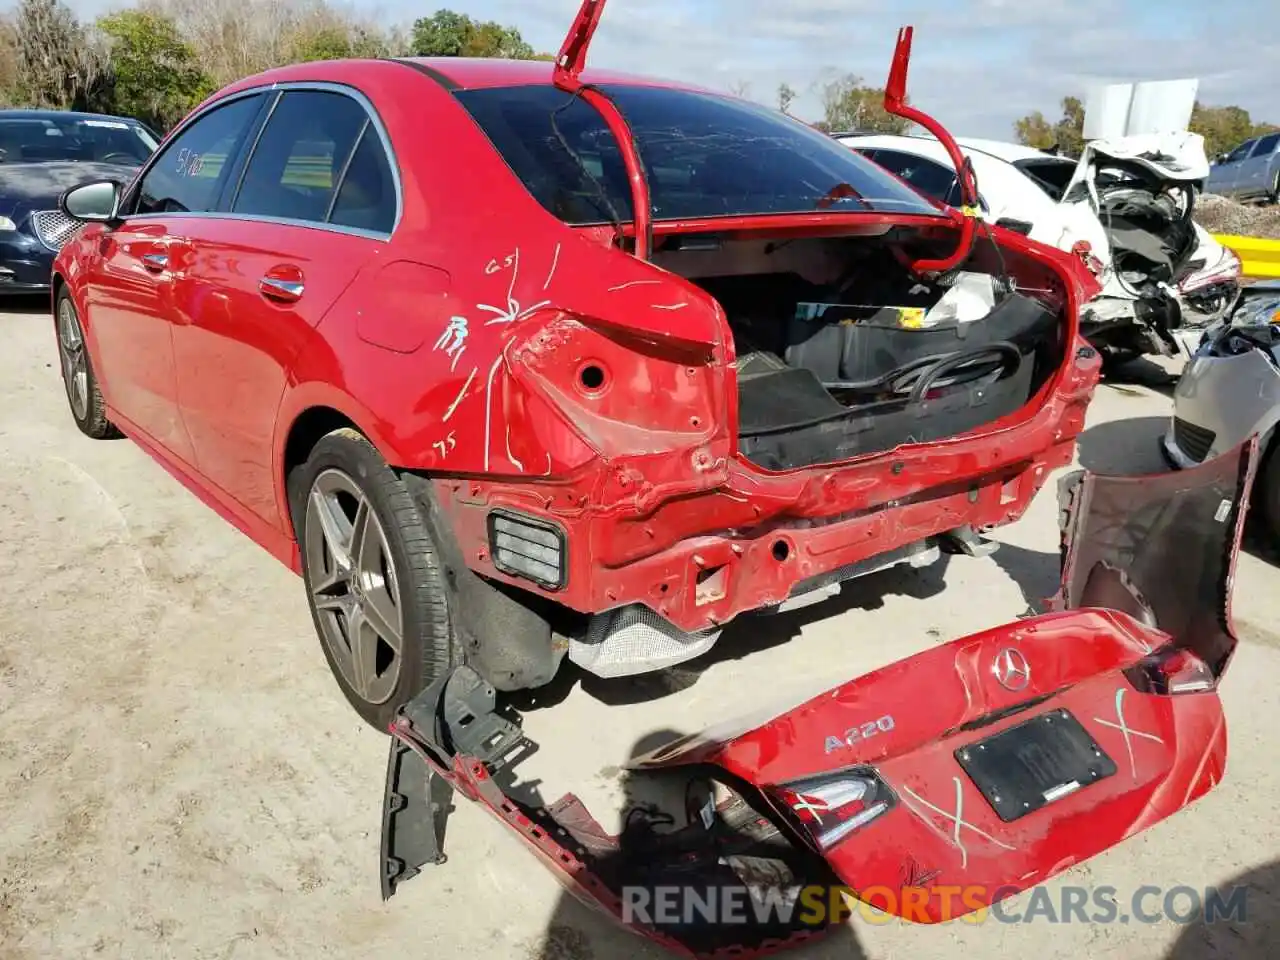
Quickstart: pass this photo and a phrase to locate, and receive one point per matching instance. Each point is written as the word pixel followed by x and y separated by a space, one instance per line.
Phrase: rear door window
pixel 1266 146
pixel 319 160
pixel 1050 175
pixel 367 197
pixel 295 164
pixel 929 177
pixel 1240 152
pixel 188 176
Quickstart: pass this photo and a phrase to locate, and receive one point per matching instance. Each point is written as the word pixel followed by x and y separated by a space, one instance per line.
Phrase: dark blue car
pixel 43 153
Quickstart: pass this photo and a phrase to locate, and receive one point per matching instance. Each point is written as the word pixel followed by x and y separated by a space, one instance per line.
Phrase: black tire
pixel 1113 358
pixel 78 379
pixel 413 579
pixel 1275 189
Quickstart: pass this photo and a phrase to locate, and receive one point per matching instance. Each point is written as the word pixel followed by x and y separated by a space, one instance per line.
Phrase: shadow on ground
pixel 1141 372
pixel 1253 936
pixel 1128 447
pixel 576 932
pixel 747 635
pixel 24 303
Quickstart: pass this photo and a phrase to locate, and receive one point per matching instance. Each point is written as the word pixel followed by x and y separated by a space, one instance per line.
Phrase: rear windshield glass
pixel 704 155
pixel 1051 176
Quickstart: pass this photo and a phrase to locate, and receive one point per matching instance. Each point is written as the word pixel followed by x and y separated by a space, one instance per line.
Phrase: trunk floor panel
pixel 789 419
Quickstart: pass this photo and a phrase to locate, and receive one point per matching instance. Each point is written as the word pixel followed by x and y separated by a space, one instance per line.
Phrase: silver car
pixel 1249 172
pixel 1230 391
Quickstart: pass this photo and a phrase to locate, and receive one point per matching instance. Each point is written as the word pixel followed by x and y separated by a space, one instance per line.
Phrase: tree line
pixel 1222 128
pixel 158 59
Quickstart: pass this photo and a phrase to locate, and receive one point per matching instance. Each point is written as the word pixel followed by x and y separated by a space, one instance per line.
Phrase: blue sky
pixel 977 65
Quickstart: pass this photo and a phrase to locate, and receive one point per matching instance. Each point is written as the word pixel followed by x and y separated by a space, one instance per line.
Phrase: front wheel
pixel 373 577
pixel 83 396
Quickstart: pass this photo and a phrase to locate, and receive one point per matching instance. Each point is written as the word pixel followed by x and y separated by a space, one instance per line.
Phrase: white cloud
pixel 978 64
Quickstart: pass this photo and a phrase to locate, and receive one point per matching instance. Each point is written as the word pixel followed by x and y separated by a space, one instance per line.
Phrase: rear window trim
pixel 275 90
pixel 932 209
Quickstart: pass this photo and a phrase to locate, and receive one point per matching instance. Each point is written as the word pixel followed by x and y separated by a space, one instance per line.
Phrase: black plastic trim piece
pixel 440 78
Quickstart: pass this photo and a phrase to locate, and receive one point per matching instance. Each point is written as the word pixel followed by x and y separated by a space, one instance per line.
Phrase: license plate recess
pixel 1029 766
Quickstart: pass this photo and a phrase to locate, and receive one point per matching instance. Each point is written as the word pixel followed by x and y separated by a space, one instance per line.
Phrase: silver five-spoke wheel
pixel 355 586
pixel 78 374
pixel 75 368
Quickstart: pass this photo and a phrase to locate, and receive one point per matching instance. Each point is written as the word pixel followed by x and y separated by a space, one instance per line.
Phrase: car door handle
pixel 285 289
pixel 155 261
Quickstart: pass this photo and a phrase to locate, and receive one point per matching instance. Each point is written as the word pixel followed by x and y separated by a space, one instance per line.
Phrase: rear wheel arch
pixel 298 434
pixel 500 630
pixel 306 431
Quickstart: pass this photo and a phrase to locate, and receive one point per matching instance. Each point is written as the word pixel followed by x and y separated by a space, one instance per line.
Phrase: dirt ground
pixel 181 778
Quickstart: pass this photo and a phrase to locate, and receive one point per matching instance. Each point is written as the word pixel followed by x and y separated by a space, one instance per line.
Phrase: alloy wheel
pixel 354 586
pixel 75 366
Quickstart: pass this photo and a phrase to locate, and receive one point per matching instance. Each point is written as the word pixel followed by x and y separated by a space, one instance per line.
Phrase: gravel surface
pixel 1220 215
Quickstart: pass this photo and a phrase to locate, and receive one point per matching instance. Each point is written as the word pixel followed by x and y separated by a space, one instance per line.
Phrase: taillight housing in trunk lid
pixel 833 806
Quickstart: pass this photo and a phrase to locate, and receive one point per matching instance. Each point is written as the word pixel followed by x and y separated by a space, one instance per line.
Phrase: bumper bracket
pixel 455 717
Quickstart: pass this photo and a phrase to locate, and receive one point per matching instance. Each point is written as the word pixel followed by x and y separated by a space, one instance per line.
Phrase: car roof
pixel 473 73
pixel 60 115
pixel 454 73
pixel 929 145
pixel 1009 152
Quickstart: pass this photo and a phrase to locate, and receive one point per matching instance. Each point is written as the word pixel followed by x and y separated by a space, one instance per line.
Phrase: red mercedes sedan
pixel 513 363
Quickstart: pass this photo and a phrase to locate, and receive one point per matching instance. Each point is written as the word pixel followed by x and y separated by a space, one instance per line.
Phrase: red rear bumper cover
pixel 638 532
pixel 1147 568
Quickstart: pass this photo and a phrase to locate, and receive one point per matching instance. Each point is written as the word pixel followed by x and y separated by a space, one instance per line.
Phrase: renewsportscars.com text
pixel 822 905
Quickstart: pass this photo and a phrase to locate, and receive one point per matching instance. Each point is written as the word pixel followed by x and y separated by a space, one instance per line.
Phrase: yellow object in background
pixel 912 318
pixel 1259 258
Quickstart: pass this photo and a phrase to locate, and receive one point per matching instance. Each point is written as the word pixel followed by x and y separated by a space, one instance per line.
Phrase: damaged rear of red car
pixel 1039 744
pixel 931 787
pixel 784 385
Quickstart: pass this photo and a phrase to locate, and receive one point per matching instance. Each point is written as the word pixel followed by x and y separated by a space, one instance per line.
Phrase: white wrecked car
pixel 1126 205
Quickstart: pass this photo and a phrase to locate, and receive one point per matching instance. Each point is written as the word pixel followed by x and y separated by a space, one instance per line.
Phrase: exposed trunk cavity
pixel 843 352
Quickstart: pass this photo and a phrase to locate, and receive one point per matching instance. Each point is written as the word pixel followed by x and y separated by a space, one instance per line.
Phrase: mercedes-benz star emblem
pixel 1011 669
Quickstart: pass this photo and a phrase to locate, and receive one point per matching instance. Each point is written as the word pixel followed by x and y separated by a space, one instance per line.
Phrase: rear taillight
pixel 832 806
pixel 1170 671
pixel 595 376
pixel 1232 265
pixel 1228 269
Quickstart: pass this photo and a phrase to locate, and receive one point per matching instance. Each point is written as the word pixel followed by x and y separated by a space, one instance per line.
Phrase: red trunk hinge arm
pixel 569 65
pixel 895 102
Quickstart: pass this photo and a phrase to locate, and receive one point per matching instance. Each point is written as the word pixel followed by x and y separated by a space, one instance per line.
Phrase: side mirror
pixel 1222 158
pixel 96 202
